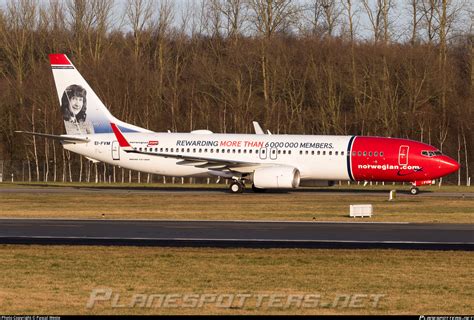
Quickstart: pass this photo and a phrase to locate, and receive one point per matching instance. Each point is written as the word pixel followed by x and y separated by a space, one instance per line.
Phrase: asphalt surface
pixel 253 234
pixel 404 192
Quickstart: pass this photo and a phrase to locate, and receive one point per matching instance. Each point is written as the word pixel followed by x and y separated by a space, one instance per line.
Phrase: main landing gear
pixel 237 186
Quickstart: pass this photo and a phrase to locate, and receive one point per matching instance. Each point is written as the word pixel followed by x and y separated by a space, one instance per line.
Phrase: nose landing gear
pixel 414 190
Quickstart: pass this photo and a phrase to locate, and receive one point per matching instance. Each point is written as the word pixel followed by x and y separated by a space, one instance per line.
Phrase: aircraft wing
pixel 187 160
pixel 63 137
pixel 204 162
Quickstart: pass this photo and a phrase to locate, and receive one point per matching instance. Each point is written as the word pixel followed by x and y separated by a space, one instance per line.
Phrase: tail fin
pixel 83 112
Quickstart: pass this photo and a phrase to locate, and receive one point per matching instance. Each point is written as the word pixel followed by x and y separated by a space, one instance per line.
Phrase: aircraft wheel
pixel 236 187
pixel 414 191
pixel 258 190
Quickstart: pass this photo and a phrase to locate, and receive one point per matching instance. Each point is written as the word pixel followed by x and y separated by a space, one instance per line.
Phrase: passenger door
pixel 115 150
pixel 403 156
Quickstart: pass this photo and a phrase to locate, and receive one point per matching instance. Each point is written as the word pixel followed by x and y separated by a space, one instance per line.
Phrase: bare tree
pixel 324 16
pixel 139 14
pixel 102 11
pixel 437 14
pixel 272 16
pixel 81 19
pixel 235 13
pixel 416 17
pixel 349 11
pixel 378 12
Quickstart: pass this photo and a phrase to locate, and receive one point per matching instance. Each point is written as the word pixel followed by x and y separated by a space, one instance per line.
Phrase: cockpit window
pixel 427 153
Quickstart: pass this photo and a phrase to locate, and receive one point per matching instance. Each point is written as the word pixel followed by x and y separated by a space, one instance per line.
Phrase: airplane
pixel 268 161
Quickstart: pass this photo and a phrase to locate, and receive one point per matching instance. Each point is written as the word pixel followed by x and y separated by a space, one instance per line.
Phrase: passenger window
pixel 312 152
pixel 245 150
pixel 381 154
pixel 324 153
pixel 200 150
pixel 370 154
pixel 187 150
pixel 166 149
pixel 306 152
pixel 289 151
pixel 365 153
pixel 301 152
pixel 161 149
pixel 359 153
pixel 217 150
pixel 194 150
pixel 330 153
pixel 239 150
pixel 284 151
pixel 140 149
pixel 319 152
pixel 250 151
pixel 228 150
pixel 212 150
pixel 376 153
pixel 336 153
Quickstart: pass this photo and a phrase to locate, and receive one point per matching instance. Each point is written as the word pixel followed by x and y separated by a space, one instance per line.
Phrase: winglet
pixel 121 139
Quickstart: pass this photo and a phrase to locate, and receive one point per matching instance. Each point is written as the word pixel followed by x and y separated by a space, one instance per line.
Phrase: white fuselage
pixel 316 157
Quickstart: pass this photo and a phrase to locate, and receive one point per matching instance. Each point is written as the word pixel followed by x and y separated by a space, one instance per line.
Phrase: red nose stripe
pixel 58 58
pixel 121 139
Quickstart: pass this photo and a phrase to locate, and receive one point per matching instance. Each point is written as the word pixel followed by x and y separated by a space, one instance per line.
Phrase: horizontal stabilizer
pixel 62 137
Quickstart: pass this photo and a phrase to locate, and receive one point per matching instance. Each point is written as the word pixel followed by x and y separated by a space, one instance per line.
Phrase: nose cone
pixel 448 165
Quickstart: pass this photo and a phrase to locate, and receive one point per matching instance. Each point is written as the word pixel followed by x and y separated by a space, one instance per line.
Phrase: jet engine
pixel 276 177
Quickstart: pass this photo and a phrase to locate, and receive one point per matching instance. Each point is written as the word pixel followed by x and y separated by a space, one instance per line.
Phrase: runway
pixel 251 234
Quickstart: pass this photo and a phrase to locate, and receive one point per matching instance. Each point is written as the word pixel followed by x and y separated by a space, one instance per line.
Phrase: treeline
pixel 297 68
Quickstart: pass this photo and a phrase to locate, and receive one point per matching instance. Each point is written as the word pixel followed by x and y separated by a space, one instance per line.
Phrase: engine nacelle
pixel 276 177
